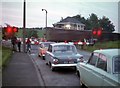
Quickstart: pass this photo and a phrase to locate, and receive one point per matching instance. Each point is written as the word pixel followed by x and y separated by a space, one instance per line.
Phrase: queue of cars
pixel 59 54
pixel 102 68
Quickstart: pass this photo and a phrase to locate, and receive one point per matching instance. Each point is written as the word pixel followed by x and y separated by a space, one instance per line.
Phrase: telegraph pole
pixel 24 25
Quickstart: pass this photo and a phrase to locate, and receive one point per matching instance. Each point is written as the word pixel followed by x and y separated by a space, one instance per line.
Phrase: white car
pixel 102 69
pixel 62 55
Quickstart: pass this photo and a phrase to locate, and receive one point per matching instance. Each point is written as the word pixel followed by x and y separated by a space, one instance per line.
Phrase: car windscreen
pixel 116 64
pixel 64 49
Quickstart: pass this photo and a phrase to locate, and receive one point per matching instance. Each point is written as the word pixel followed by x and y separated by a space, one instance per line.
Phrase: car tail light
pixel 55 61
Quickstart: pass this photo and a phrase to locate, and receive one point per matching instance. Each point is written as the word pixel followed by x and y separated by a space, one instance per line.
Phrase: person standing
pixel 13 40
pixel 28 44
pixel 19 45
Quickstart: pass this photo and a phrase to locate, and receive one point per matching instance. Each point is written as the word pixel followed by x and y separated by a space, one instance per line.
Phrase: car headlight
pixel 55 60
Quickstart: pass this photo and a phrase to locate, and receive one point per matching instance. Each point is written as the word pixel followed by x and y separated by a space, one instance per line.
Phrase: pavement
pixel 21 71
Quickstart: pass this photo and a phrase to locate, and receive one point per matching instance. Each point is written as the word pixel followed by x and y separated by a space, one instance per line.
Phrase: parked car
pixel 43 48
pixel 62 55
pixel 102 69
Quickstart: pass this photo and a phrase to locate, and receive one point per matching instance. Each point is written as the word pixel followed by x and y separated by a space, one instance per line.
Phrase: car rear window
pixel 116 64
pixel 46 45
pixel 64 48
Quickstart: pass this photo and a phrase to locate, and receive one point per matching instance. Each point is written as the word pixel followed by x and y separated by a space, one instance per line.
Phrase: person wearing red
pixel 28 44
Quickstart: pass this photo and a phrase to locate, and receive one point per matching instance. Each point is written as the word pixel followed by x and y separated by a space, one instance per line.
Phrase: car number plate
pixel 68 62
pixel 71 62
pixel 65 62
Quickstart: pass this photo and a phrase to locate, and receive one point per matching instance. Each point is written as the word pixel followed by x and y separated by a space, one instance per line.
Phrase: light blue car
pixel 102 69
pixel 62 55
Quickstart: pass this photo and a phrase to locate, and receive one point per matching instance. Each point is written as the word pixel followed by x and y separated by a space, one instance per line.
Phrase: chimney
pixel 61 18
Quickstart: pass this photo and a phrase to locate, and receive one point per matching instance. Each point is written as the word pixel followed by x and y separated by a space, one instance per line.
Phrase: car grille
pixel 67 61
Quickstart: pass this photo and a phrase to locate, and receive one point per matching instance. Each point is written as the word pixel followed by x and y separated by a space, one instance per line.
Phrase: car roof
pixel 54 44
pixel 109 52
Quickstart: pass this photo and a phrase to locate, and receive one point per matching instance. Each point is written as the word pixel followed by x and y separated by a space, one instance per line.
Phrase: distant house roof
pixel 70 20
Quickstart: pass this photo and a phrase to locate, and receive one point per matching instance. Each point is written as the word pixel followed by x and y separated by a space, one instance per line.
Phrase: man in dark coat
pixel 19 45
pixel 13 40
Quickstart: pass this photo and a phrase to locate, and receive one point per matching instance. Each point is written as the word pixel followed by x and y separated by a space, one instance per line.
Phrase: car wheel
pixel 77 72
pixel 46 63
pixel 75 68
pixel 43 57
pixel 51 67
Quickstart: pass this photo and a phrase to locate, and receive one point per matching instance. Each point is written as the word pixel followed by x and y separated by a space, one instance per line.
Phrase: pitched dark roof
pixel 70 19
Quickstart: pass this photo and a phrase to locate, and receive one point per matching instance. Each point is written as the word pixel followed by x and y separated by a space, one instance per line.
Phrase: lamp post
pixel 46 15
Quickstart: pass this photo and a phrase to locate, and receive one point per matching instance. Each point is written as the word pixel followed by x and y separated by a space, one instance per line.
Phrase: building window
pixel 68 26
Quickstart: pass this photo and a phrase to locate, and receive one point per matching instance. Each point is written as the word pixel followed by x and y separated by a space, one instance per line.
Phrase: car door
pixel 90 74
pixel 47 55
pixel 111 79
pixel 101 68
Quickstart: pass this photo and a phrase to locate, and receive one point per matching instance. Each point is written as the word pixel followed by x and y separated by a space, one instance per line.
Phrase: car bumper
pixel 64 65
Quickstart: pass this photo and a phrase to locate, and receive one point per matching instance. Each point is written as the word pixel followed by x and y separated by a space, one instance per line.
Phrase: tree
pixel 88 25
pixel 106 24
pixel 93 21
pixel 81 19
pixel 31 33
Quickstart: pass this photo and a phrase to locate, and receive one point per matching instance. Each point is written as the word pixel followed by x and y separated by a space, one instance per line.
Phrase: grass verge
pixel 6 55
pixel 0 56
pixel 103 45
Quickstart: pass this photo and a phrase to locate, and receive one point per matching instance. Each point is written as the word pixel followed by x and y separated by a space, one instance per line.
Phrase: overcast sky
pixel 12 11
